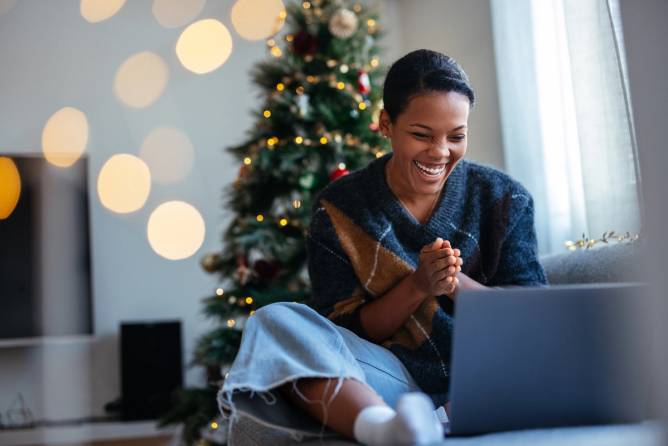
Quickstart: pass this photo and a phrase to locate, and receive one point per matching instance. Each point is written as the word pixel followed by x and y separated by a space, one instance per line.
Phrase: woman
pixel 390 246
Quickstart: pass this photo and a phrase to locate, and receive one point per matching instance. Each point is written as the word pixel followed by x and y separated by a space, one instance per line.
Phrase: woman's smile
pixel 429 171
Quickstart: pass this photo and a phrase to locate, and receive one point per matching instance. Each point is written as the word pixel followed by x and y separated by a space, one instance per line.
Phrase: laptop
pixel 545 357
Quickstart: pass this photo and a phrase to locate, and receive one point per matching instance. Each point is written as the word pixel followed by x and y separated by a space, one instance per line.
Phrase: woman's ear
pixel 385 123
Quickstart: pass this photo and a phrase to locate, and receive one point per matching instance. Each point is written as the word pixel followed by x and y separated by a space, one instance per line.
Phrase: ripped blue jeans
pixel 284 342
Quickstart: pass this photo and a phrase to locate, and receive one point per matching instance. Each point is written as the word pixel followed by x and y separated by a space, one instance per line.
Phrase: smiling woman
pixel 389 248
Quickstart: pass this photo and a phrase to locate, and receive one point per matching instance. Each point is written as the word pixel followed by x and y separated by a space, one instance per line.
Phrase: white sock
pixel 442 416
pixel 371 426
pixel 414 422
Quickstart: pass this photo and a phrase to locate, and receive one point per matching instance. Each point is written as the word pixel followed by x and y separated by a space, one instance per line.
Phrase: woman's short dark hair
pixel 422 71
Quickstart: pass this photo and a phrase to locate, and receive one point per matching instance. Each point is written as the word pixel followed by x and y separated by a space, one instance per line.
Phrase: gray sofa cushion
pixel 608 263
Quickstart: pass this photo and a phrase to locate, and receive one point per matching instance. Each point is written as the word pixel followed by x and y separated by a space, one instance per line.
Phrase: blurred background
pixel 115 178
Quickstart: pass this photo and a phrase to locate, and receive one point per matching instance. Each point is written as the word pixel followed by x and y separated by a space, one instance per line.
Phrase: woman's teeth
pixel 431 171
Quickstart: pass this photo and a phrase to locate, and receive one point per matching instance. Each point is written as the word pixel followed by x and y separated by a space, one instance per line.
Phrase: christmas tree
pixel 322 94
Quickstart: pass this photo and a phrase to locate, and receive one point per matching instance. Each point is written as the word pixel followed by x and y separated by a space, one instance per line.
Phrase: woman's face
pixel 428 139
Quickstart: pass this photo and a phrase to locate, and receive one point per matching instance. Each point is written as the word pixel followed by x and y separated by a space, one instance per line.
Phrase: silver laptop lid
pixel 541 357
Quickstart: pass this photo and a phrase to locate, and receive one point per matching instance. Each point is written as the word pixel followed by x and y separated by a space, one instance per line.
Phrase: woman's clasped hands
pixel 437 272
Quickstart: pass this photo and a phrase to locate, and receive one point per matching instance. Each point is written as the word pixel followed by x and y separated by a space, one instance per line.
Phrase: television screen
pixel 45 286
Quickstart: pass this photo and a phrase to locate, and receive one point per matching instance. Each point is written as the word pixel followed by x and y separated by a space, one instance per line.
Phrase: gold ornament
pixel 210 262
pixel 343 23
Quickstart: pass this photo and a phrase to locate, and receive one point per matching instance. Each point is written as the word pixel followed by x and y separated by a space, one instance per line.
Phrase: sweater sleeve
pixel 336 291
pixel 518 261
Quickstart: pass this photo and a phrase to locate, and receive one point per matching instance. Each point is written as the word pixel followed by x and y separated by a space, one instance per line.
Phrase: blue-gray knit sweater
pixel 362 242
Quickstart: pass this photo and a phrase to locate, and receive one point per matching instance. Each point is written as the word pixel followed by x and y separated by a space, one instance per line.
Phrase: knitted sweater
pixel 362 242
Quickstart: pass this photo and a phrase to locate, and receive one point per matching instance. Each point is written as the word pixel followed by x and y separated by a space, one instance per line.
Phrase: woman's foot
pixel 413 423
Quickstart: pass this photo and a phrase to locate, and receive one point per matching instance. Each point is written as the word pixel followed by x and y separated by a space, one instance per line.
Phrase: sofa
pixel 608 263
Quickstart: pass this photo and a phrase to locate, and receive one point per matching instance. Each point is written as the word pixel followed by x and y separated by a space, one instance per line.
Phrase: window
pixel 568 134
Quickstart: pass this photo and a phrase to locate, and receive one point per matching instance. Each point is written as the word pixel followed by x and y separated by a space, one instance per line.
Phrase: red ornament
pixel 373 127
pixel 266 270
pixel 304 44
pixel 363 82
pixel 338 173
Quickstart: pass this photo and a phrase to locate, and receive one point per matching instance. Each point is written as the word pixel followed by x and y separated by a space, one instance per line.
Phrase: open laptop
pixel 544 357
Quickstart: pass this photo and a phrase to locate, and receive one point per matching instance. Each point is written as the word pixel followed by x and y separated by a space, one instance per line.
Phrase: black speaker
pixel 151 362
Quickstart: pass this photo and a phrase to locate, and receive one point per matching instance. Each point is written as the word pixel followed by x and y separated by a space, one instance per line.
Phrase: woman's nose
pixel 440 148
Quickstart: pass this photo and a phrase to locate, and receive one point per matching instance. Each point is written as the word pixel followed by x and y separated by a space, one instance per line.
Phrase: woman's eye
pixel 420 135
pixel 457 138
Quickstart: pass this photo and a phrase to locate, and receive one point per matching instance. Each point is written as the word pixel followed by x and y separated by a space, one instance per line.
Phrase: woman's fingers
pixel 444 263
pixel 454 285
pixel 448 288
pixel 438 276
pixel 437 244
pixel 433 246
pixel 431 257
pixel 446 285
pixel 442 253
pixel 450 270
pixel 438 264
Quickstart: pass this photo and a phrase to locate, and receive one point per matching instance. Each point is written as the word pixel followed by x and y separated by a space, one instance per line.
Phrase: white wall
pixel 52 58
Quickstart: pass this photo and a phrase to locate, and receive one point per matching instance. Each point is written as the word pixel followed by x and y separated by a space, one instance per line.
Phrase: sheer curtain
pixel 566 118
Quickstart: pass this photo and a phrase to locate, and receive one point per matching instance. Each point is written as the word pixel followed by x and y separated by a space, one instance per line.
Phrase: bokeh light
pixel 96 11
pixel 258 19
pixel 204 46
pixel 176 230
pixel 124 183
pixel 168 153
pixel 176 13
pixel 141 79
pixel 10 187
pixel 65 136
